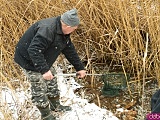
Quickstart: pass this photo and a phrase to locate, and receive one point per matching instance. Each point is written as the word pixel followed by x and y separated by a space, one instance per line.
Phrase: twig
pixel 144 72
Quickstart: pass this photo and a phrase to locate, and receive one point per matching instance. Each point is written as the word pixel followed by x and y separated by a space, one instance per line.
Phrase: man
pixel 155 102
pixel 36 52
pixel 155 105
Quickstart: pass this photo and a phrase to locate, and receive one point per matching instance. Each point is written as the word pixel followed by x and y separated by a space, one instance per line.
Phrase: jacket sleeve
pixel 36 50
pixel 72 56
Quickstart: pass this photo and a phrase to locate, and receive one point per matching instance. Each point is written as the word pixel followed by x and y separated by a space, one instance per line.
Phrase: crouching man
pixel 36 52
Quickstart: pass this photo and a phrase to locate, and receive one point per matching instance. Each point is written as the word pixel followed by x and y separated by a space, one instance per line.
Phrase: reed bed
pixel 119 35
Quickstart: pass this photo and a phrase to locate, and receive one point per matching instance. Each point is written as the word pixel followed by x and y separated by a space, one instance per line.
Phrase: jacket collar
pixel 59 26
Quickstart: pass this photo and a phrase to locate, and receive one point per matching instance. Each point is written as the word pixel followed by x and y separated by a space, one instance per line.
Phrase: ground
pixel 125 106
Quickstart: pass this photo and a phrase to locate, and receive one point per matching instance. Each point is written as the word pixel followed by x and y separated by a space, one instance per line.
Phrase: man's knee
pixel 52 88
pixel 41 101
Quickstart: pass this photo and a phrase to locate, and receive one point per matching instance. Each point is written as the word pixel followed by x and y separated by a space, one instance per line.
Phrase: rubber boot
pixel 56 106
pixel 46 113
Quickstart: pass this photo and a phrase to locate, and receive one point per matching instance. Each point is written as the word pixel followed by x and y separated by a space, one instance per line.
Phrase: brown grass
pixel 112 33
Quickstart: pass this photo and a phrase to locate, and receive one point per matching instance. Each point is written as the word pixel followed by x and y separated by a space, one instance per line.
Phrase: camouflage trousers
pixel 42 89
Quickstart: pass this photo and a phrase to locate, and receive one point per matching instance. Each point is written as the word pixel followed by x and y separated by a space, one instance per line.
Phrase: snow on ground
pixel 16 105
pixel 81 109
pixel 11 100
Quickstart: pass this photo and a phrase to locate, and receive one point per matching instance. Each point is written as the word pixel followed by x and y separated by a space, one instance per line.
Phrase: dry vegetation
pixel 116 35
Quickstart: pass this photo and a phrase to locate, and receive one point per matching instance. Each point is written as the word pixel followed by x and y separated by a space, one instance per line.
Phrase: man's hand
pixel 48 75
pixel 81 73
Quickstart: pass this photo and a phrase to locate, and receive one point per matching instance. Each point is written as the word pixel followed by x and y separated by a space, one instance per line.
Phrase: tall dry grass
pixel 112 33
